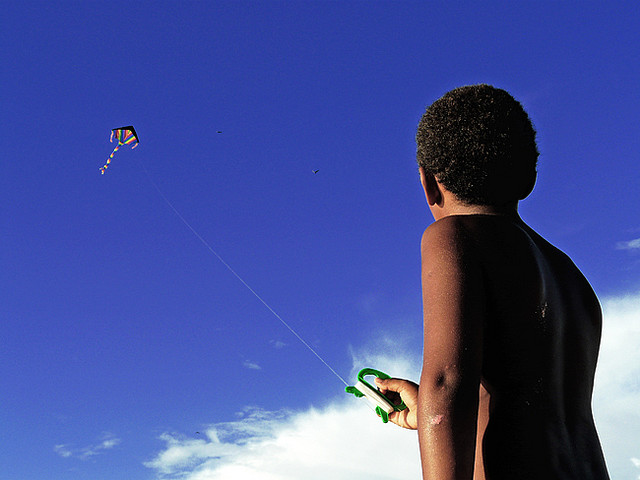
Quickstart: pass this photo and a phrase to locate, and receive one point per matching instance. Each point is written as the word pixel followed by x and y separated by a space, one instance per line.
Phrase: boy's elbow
pixel 442 379
pixel 447 386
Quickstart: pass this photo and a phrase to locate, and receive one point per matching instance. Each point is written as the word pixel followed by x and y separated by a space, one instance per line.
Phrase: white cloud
pixel 108 441
pixel 617 389
pixel 343 440
pixel 629 245
pixel 636 463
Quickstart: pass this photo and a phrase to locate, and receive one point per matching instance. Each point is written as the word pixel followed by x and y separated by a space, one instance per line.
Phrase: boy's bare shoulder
pixel 447 228
pixel 441 240
pixel 450 250
pixel 455 234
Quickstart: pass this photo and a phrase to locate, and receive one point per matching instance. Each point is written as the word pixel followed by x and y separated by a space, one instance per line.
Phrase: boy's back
pixel 541 335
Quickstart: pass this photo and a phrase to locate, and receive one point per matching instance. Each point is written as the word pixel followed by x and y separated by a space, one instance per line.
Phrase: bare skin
pixel 512 332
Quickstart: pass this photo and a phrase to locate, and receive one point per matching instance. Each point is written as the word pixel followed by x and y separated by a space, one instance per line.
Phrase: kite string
pixel 204 242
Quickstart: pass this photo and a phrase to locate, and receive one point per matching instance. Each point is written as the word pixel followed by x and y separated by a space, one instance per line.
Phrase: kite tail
pixel 106 165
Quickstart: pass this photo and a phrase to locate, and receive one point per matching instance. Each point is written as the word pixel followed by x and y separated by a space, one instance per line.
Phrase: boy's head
pixel 479 143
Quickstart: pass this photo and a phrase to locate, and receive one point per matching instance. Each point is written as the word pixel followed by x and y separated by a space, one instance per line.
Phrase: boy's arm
pixel 453 300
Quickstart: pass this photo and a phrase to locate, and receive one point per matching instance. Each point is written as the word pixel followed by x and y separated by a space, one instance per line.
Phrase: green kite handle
pixel 382 405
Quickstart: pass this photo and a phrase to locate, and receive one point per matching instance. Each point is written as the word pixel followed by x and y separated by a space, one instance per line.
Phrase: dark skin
pixel 512 332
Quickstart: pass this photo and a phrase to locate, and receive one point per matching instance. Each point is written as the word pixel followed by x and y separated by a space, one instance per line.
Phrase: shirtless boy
pixel 511 326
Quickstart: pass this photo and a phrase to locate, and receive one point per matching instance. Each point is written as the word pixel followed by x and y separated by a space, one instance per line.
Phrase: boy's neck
pixel 455 207
pixel 444 203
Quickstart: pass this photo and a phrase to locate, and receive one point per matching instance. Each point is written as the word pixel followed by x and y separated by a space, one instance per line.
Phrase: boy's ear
pixel 431 188
pixel 532 183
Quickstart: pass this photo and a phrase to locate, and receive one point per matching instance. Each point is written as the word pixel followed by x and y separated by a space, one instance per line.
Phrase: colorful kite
pixel 125 136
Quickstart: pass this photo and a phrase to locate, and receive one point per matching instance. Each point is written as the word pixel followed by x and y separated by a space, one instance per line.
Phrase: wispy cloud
pixel 629 245
pixel 108 441
pixel 394 356
pixel 251 365
pixel 62 450
pixel 278 343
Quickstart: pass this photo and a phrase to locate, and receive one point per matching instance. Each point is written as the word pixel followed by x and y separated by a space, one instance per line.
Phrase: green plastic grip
pixel 374 391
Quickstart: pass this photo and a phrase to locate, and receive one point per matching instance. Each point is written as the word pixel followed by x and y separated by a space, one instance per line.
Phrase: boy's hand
pixel 398 390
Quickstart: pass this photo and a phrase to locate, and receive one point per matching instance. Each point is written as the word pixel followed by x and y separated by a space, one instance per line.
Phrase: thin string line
pixel 206 244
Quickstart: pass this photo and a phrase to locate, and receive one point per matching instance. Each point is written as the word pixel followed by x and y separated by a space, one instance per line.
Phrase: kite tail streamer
pixel 106 165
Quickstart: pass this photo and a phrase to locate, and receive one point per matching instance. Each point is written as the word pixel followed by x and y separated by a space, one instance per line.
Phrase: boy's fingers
pixel 393 384
pixel 408 391
pixel 381 384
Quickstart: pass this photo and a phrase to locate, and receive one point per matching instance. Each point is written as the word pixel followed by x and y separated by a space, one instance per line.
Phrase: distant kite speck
pixel 316 171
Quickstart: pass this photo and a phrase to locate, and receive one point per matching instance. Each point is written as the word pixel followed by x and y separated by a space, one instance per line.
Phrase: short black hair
pixel 480 144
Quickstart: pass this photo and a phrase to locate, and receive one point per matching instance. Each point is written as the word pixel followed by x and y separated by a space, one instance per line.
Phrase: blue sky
pixel 122 335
